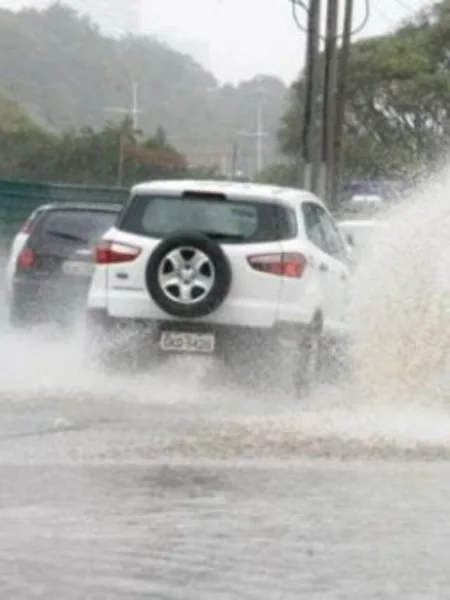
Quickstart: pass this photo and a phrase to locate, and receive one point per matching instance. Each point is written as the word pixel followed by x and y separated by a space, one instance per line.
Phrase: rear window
pixel 227 220
pixel 79 226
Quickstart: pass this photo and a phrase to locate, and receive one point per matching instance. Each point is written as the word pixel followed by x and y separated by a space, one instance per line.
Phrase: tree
pixel 279 174
pixel 13 117
pixel 84 156
pixel 398 106
pixel 66 72
pixel 21 140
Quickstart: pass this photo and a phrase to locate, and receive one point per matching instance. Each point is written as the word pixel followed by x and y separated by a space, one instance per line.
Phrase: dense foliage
pixel 110 156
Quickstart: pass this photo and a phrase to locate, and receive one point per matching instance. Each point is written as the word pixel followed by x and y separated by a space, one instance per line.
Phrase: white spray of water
pixel 401 307
pixel 43 363
pixel 398 387
pixel 401 300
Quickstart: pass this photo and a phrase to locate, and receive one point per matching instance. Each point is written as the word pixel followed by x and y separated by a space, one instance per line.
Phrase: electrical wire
pixel 365 20
pixel 295 4
pixel 405 5
pixel 300 3
pixel 410 11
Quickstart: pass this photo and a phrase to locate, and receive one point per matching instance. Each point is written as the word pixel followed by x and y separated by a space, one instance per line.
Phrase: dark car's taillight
pixel 26 260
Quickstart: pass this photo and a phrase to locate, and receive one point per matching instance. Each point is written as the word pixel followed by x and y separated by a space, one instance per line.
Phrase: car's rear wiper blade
pixel 66 236
pixel 224 236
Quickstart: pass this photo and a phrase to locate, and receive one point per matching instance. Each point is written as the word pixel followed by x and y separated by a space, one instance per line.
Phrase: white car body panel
pixel 255 299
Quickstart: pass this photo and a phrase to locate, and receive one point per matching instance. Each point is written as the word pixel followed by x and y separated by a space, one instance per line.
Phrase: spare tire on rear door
pixel 188 275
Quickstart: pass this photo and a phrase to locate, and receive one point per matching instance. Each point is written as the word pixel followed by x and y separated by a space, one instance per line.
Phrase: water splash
pixel 395 401
pixel 401 300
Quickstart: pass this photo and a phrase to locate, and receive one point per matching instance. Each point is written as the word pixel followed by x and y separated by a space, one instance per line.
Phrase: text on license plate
pixel 78 268
pixel 175 341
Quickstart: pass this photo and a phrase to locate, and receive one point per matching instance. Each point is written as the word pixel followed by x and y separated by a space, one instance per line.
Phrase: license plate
pixel 78 268
pixel 174 341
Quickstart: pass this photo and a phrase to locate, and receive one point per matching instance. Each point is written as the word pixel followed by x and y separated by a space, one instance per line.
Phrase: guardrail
pixel 19 198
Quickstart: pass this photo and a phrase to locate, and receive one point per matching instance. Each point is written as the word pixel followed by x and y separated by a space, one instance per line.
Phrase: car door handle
pixel 323 267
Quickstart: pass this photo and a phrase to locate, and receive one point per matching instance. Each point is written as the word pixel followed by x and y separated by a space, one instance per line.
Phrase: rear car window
pixel 79 226
pixel 236 221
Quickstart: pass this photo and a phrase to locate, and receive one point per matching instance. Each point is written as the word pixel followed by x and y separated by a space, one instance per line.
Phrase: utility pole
pixel 134 110
pixel 329 105
pixel 234 159
pixel 305 110
pixel 323 102
pixel 341 96
pixel 259 134
pixel 311 142
pixel 259 137
pixel 121 161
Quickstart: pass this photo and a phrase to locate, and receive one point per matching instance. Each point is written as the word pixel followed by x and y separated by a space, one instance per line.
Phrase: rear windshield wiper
pixel 229 237
pixel 66 236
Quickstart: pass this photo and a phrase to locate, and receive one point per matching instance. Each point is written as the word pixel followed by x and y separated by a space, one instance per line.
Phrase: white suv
pixel 235 269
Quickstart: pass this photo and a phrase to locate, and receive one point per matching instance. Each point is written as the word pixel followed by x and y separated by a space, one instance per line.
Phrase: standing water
pixel 171 484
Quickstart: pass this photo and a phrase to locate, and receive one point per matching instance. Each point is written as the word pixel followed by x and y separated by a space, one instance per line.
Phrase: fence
pixel 19 198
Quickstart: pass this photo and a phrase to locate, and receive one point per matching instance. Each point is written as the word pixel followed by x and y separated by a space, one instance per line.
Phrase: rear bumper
pixel 48 299
pixel 149 331
pixel 256 313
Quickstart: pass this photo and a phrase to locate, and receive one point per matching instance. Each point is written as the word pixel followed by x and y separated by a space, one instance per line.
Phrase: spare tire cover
pixel 188 275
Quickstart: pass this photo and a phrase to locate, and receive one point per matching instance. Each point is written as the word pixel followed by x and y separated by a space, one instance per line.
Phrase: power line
pixel 363 23
pixel 392 23
pixel 296 4
pixel 406 5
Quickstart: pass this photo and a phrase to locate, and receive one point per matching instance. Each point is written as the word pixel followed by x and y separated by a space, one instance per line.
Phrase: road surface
pixel 172 485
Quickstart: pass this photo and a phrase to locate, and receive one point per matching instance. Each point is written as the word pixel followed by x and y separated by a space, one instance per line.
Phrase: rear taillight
pixel 107 253
pixel 284 264
pixel 26 259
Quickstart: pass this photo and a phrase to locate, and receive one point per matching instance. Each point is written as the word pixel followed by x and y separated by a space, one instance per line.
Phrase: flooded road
pixel 218 531
pixel 143 487
pixel 177 484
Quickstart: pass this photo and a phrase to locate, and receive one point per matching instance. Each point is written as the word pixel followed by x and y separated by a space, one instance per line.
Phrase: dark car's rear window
pixel 243 221
pixel 78 225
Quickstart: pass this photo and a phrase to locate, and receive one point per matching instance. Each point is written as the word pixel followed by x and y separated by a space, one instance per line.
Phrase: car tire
pixel 113 345
pixel 335 360
pixel 249 360
pixel 217 263
pixel 98 339
pixel 308 358
pixel 19 315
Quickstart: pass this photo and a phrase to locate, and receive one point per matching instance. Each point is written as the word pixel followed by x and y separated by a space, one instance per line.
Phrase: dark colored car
pixel 54 268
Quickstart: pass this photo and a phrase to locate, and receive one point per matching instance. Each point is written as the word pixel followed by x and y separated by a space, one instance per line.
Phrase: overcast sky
pixel 236 39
